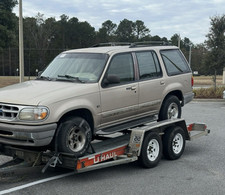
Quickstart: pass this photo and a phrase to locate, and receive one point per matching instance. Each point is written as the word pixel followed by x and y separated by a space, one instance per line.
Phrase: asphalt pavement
pixel 199 171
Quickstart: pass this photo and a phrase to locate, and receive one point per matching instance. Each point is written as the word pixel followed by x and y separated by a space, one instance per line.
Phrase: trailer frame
pixel 110 150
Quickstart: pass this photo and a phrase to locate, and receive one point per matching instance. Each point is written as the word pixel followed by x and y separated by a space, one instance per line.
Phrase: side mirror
pixel 111 79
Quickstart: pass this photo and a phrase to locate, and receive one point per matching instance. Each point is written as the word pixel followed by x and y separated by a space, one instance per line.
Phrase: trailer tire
pixel 151 151
pixel 173 143
pixel 74 136
pixel 171 108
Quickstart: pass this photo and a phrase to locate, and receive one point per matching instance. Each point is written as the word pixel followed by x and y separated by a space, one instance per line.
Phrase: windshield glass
pixel 85 67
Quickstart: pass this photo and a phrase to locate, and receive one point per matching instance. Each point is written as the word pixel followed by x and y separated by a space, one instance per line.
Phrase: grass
pixel 10 80
pixel 207 80
pixel 209 93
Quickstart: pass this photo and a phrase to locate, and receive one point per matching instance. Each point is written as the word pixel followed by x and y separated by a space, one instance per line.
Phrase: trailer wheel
pixel 151 151
pixel 173 143
pixel 74 136
pixel 171 108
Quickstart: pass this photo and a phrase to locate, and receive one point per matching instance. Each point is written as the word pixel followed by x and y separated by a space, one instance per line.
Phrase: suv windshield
pixel 85 67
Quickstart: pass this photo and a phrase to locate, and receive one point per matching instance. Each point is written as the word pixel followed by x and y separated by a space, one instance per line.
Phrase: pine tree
pixel 8 23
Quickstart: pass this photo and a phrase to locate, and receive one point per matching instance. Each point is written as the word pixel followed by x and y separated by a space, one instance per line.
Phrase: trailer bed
pixel 114 149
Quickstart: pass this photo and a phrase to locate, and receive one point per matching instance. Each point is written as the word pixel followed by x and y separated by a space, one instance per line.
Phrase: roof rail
pixel 150 43
pixel 111 44
pixel 134 44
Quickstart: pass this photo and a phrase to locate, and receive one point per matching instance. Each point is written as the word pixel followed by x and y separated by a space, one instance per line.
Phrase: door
pixel 119 98
pixel 151 83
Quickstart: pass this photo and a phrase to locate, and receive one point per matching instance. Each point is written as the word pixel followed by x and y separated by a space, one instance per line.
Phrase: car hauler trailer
pixel 145 143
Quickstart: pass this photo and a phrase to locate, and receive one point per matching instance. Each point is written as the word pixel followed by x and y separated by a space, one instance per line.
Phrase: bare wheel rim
pixel 76 139
pixel 153 150
pixel 173 111
pixel 177 143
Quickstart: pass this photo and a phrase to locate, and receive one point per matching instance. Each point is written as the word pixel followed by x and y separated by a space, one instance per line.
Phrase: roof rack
pixel 149 43
pixel 111 44
pixel 134 44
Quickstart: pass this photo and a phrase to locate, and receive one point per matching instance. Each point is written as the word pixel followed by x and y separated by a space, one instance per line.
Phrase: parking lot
pixel 199 171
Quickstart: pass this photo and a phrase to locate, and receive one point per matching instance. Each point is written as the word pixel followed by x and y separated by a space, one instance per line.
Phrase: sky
pixel 189 18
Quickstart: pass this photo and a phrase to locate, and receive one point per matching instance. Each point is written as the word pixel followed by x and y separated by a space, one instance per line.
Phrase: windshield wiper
pixel 44 78
pixel 70 77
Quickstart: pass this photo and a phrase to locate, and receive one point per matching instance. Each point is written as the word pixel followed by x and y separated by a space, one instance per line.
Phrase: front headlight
pixel 33 113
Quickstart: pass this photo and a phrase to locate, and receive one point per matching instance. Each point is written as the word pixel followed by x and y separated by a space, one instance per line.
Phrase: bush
pixel 209 92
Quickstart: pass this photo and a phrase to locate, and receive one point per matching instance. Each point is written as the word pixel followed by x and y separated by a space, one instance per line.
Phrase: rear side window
pixel 149 67
pixel 174 62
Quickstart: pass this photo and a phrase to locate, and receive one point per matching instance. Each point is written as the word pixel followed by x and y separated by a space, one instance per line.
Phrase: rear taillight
pixel 192 81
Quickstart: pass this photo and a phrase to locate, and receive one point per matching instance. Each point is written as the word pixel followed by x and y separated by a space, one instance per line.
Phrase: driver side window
pixel 122 67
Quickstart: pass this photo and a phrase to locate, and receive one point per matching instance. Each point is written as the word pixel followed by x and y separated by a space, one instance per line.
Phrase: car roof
pixel 117 49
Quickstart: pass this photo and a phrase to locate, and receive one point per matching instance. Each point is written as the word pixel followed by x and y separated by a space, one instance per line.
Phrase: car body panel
pixel 119 102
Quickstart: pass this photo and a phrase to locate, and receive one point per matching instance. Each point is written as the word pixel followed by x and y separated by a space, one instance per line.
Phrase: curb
pixel 208 100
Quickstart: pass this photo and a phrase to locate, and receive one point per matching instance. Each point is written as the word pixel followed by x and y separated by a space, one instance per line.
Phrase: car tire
pixel 173 143
pixel 74 136
pixel 151 150
pixel 171 108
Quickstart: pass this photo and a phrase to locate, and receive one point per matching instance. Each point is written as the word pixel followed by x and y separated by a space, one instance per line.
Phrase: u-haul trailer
pixel 145 143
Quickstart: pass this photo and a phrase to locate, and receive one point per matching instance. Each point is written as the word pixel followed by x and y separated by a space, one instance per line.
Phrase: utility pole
pixel 179 41
pixel 190 56
pixel 21 50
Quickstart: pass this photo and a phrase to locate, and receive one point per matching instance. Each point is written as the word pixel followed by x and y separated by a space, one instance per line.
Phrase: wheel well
pixel 84 113
pixel 176 93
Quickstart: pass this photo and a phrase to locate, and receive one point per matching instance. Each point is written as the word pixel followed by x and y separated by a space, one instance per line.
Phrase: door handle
pixel 162 82
pixel 131 88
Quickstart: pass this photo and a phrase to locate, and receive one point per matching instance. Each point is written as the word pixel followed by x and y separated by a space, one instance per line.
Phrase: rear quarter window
pixel 174 62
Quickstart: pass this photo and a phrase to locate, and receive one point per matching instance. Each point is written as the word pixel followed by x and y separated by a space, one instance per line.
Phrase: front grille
pixel 8 112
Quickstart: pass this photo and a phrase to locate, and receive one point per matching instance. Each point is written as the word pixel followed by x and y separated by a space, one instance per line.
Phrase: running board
pixel 124 126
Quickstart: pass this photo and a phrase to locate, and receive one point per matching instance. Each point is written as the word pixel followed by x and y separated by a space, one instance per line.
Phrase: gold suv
pixel 98 90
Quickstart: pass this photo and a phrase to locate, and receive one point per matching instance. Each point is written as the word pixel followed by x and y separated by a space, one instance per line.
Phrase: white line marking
pixel 35 183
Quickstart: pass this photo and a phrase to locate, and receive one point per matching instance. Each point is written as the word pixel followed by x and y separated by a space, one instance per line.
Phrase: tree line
pixel 44 38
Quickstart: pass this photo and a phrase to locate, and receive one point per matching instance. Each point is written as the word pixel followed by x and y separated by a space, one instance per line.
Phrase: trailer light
pixel 190 127
pixel 195 126
pixel 33 113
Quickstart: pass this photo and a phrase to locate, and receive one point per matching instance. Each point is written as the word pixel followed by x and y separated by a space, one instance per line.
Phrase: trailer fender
pixel 138 133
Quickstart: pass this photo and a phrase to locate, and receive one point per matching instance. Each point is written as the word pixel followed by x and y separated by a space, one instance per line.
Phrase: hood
pixel 44 92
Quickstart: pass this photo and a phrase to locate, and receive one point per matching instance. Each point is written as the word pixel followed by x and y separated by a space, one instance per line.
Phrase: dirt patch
pixel 207 80
pixel 10 80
